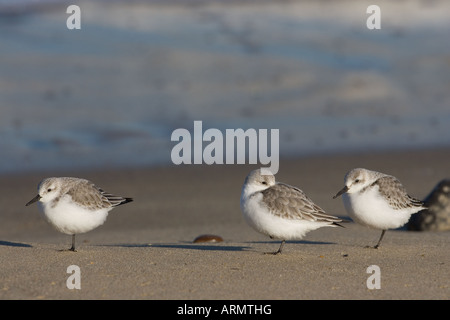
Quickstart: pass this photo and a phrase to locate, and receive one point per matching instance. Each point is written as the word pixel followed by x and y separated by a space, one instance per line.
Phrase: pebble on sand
pixel 208 238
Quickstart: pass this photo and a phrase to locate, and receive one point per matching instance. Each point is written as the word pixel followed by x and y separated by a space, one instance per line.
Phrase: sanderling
pixel 280 210
pixel 377 200
pixel 74 205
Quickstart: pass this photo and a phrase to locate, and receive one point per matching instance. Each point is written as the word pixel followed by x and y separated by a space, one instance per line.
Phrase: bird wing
pixel 87 194
pixel 292 203
pixel 395 193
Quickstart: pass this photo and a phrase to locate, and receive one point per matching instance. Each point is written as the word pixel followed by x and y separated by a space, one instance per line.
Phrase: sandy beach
pixel 145 249
pixel 102 102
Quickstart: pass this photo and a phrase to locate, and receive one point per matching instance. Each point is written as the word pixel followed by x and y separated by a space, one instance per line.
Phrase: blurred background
pixel 110 94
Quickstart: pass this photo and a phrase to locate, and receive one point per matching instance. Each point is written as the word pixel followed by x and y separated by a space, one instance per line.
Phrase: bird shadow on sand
pixel 205 246
pixel 14 244
pixel 186 245
pixel 209 246
pixel 294 242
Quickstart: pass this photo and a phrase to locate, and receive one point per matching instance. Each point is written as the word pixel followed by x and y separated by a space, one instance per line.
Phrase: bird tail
pixel 125 200
pixel 342 221
pixel 117 200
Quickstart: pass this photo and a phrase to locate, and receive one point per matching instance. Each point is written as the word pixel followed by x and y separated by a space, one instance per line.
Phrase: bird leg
pixel 279 249
pixel 379 241
pixel 73 244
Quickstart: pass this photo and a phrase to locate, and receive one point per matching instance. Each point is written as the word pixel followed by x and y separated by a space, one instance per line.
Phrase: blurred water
pixel 110 94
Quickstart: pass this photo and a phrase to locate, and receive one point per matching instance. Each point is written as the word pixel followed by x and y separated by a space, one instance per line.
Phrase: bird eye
pixel 49 189
pixel 357 181
pixel 264 182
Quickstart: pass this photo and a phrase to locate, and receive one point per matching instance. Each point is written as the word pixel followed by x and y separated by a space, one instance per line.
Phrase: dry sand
pixel 145 249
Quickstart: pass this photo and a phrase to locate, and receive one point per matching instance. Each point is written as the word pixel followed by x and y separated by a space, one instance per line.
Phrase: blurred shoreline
pixel 111 94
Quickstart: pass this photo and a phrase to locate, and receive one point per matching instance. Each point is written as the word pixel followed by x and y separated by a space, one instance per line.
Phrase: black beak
pixel 343 190
pixel 35 199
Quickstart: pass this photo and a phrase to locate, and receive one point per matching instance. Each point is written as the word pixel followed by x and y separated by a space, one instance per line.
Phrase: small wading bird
pixel 280 210
pixel 74 205
pixel 377 200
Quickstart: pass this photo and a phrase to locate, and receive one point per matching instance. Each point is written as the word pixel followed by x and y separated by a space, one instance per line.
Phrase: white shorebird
pixel 280 210
pixel 74 205
pixel 377 200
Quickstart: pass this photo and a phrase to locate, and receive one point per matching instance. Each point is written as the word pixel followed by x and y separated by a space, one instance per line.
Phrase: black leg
pixel 73 244
pixel 279 249
pixel 379 241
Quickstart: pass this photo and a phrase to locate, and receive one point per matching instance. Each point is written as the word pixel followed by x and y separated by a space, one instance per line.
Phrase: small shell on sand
pixel 208 238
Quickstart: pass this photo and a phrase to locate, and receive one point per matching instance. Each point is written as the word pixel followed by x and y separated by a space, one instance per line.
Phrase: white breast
pixel 69 218
pixel 370 209
pixel 259 218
